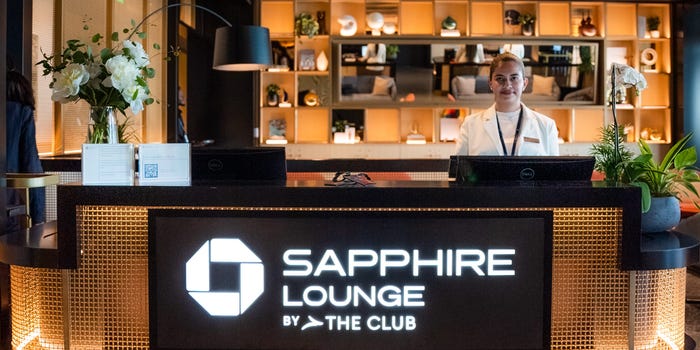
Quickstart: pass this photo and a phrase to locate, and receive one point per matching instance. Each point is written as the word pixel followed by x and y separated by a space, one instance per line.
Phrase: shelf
pixel 553 10
pixel 621 19
pixel 277 17
pixel 490 18
pixel 619 36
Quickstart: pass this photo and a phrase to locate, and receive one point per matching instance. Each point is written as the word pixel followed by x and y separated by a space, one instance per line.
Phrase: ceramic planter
pixel 664 214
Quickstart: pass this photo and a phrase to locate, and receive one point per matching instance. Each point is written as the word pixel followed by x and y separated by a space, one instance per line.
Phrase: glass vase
pixel 102 127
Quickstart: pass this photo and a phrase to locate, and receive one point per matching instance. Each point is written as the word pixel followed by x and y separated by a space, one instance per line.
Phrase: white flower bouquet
pixel 115 78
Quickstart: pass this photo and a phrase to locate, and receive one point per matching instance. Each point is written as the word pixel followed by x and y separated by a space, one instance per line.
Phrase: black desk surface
pixel 411 194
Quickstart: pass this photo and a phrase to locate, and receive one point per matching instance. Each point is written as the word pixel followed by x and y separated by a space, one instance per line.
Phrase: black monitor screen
pixel 479 169
pixel 264 163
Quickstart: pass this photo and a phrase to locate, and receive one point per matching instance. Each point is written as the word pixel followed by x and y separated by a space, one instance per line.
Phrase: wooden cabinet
pixel 385 128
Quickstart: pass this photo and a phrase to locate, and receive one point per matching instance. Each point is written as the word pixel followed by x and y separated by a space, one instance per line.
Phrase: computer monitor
pixel 256 163
pixel 480 169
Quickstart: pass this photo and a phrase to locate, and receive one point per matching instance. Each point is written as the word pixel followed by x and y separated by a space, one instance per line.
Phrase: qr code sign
pixel 150 171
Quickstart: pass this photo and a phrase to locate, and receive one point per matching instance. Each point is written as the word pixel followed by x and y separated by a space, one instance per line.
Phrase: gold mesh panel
pixel 107 297
pixel 659 313
pixel 37 321
pixel 51 191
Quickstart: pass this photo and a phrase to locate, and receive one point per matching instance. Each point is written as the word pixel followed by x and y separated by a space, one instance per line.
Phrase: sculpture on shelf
pixel 587 28
pixel 389 28
pixel 648 58
pixel 348 25
pixel 449 23
pixel 511 17
pixel 527 20
pixel 321 19
pixel 311 98
pixel 512 23
pixel 449 27
pixel 375 22
pixel 322 61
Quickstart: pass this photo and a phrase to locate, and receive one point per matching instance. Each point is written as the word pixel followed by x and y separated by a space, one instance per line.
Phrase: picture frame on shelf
pixel 307 60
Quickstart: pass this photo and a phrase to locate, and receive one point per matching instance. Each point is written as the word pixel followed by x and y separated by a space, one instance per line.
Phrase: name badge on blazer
pixel 531 139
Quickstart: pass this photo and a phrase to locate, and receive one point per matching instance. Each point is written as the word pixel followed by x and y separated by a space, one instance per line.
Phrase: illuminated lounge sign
pixel 355 279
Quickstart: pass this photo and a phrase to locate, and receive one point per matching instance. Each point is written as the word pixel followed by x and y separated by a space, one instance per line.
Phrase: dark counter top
pixel 383 194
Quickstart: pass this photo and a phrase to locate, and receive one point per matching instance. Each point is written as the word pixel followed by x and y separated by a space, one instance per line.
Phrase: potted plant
pixel 392 51
pixel 305 24
pixel 663 183
pixel 610 156
pixel 273 98
pixel 653 23
pixel 609 160
pixel 527 20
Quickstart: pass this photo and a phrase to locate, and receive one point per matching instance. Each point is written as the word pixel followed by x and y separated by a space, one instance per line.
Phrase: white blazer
pixel 479 135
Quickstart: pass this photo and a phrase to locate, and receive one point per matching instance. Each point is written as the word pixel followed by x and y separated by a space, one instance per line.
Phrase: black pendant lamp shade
pixel 242 48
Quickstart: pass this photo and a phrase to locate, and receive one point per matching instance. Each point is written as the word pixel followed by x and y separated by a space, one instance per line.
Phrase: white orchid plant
pixel 610 158
pixel 115 77
pixel 623 76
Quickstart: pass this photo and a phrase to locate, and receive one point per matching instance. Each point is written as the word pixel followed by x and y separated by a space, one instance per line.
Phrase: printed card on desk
pixel 164 163
pixel 108 164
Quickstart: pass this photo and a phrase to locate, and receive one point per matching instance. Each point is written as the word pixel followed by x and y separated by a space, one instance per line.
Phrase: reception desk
pixel 557 265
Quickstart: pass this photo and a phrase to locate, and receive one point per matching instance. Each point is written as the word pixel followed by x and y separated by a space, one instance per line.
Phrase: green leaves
pixel 98 86
pixel 607 161
pixel 675 175
pixel 150 73
pixel 106 54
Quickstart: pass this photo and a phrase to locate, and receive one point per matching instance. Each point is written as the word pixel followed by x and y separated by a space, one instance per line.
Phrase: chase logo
pixel 225 303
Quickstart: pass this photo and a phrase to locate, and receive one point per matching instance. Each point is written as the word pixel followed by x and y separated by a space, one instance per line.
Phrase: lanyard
pixel 517 134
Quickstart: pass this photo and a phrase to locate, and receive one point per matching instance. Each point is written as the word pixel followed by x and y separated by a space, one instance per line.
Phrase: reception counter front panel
pixel 357 278
pixel 596 302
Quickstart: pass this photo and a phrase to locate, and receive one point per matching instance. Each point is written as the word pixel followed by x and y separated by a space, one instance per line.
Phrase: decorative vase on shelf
pixel 449 23
pixel 102 127
pixel 322 61
pixel 587 28
pixel 348 25
pixel 273 99
pixel 528 29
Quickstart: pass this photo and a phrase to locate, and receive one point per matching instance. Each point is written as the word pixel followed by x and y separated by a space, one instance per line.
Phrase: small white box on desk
pixel 164 163
pixel 108 164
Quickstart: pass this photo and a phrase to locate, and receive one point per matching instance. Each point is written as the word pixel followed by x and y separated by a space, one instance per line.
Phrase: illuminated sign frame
pixel 413 278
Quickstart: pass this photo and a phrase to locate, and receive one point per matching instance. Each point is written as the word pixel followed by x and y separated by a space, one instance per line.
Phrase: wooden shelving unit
pixel 386 125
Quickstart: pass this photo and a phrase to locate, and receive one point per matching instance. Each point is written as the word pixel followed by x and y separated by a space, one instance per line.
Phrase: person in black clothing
pixel 180 132
pixel 22 154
